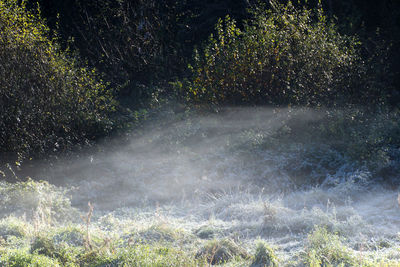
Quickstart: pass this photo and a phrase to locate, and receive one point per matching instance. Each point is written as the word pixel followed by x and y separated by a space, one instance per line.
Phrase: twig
pixel 88 244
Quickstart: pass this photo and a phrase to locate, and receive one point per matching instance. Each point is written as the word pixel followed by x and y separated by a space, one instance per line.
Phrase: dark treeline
pixel 139 45
pixel 75 71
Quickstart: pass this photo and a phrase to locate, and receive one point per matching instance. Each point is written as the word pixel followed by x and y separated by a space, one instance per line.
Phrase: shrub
pixel 159 233
pixel 206 232
pixel 140 255
pixel 128 41
pixel 12 226
pixel 284 55
pixel 39 200
pixel 43 246
pixel 20 258
pixel 264 256
pixel 221 251
pixel 71 235
pixel 47 101
pixel 326 249
pixel 369 137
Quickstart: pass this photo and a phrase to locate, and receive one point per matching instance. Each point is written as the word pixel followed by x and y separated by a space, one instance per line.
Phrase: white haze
pixel 230 170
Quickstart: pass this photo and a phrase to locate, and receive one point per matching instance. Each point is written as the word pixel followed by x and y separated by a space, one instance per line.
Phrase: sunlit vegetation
pixel 281 56
pixel 264 256
pixel 107 240
pixel 48 102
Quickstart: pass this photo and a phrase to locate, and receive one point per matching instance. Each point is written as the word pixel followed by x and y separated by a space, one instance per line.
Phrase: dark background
pixel 140 45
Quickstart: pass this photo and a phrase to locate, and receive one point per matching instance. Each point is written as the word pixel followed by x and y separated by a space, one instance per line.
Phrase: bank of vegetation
pixel 76 72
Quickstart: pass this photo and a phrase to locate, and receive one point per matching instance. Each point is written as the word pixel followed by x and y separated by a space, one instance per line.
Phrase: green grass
pixel 326 249
pixel 264 256
pixel 221 251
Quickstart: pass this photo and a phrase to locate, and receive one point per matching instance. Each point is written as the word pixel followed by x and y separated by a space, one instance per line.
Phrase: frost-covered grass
pixel 266 234
pixel 242 189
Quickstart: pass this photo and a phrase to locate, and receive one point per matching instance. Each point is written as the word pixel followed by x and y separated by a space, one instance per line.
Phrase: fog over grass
pixel 177 159
pixel 233 174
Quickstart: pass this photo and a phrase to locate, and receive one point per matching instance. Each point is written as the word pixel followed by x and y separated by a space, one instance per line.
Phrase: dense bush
pixel 221 251
pixel 47 101
pixel 264 256
pixel 283 55
pixel 20 258
pixel 141 45
pixel 129 42
pixel 123 39
pixel 39 200
pixel 138 45
pixel 326 249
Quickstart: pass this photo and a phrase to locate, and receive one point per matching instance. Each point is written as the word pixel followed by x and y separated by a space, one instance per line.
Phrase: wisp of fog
pixel 238 171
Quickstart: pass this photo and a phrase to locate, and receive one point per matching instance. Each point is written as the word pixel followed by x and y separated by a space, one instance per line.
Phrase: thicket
pixel 48 101
pixel 283 55
pixel 139 46
pixel 124 40
pixel 277 54
pixel 142 45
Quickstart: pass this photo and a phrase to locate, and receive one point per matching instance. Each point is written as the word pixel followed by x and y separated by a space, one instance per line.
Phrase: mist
pixel 182 157
pixel 249 173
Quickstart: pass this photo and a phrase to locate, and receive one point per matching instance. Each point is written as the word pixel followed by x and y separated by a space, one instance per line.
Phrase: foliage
pixel 47 101
pixel 73 236
pixel 59 245
pixel 159 233
pixel 145 255
pixel 137 44
pixel 20 258
pixel 377 25
pixel 326 249
pixel 367 138
pixel 264 256
pixel 11 226
pixel 141 45
pixel 221 251
pixel 44 246
pixel 123 40
pixel 42 201
pixel 206 232
pixel 283 55
pixel 127 41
